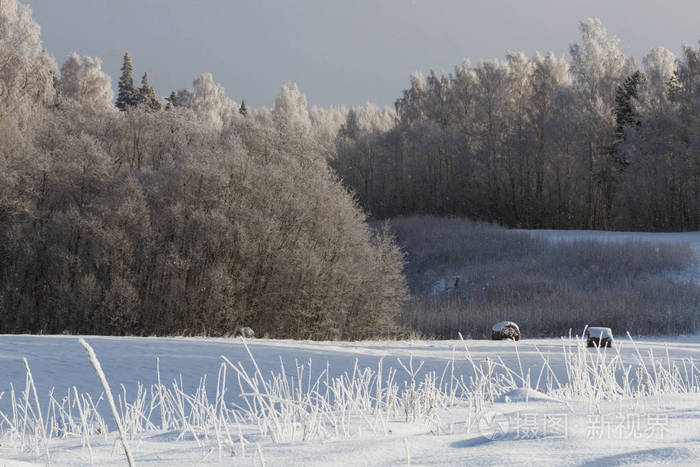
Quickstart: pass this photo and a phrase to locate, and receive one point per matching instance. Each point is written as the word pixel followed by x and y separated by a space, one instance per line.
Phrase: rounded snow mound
pixel 524 394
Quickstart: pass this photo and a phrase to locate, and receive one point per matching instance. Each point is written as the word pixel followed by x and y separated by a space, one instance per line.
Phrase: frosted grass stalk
pixel 100 374
pixel 84 431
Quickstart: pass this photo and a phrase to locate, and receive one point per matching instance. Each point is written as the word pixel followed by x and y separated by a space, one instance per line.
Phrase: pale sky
pixel 339 52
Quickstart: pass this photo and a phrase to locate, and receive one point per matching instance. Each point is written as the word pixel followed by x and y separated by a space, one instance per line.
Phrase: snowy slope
pixel 690 238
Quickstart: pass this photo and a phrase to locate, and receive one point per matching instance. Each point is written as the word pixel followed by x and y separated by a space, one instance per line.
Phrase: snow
pixel 690 238
pixel 502 324
pixel 524 395
pixel 59 362
pixel 599 332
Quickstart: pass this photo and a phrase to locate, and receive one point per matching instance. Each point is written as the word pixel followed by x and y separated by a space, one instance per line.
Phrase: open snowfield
pixel 552 430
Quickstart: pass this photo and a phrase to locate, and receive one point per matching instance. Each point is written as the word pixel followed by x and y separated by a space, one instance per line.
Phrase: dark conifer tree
pixel 147 95
pixel 624 105
pixel 244 109
pixel 128 95
pixel 611 169
pixel 625 115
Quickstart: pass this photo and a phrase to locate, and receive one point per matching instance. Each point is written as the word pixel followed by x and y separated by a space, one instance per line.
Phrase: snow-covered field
pixel 690 238
pixel 184 401
pixel 581 420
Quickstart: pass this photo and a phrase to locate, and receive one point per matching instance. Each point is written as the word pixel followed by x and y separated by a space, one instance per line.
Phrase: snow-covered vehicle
pixel 599 337
pixel 505 330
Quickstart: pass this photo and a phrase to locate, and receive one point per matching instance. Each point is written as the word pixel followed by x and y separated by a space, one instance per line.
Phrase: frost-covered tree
pixel 597 64
pixel 82 79
pixel 290 111
pixel 147 95
pixel 350 129
pixel 658 190
pixel 128 95
pixel 659 66
pixel 172 101
pixel 410 108
pixel 209 101
pixel 371 118
pixel 598 67
pixel 292 121
pixel 550 111
pixel 184 97
pixel 325 123
pixel 684 94
pixel 26 70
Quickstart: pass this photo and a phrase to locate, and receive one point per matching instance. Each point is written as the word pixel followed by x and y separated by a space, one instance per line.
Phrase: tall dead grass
pixel 546 287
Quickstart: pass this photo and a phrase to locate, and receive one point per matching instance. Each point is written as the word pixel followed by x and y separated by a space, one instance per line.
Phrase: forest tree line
pixel 183 218
pixel 594 140
pixel 194 214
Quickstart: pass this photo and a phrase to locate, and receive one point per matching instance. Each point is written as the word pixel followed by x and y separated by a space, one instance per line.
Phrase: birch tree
pixel 82 79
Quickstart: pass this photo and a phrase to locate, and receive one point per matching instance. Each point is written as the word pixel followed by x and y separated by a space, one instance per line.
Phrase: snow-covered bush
pixel 599 336
pixel 505 330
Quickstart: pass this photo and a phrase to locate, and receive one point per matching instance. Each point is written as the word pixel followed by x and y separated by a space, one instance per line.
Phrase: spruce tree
pixel 147 95
pixel 128 95
pixel 625 115
pixel 611 168
pixel 244 109
pixel 624 103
